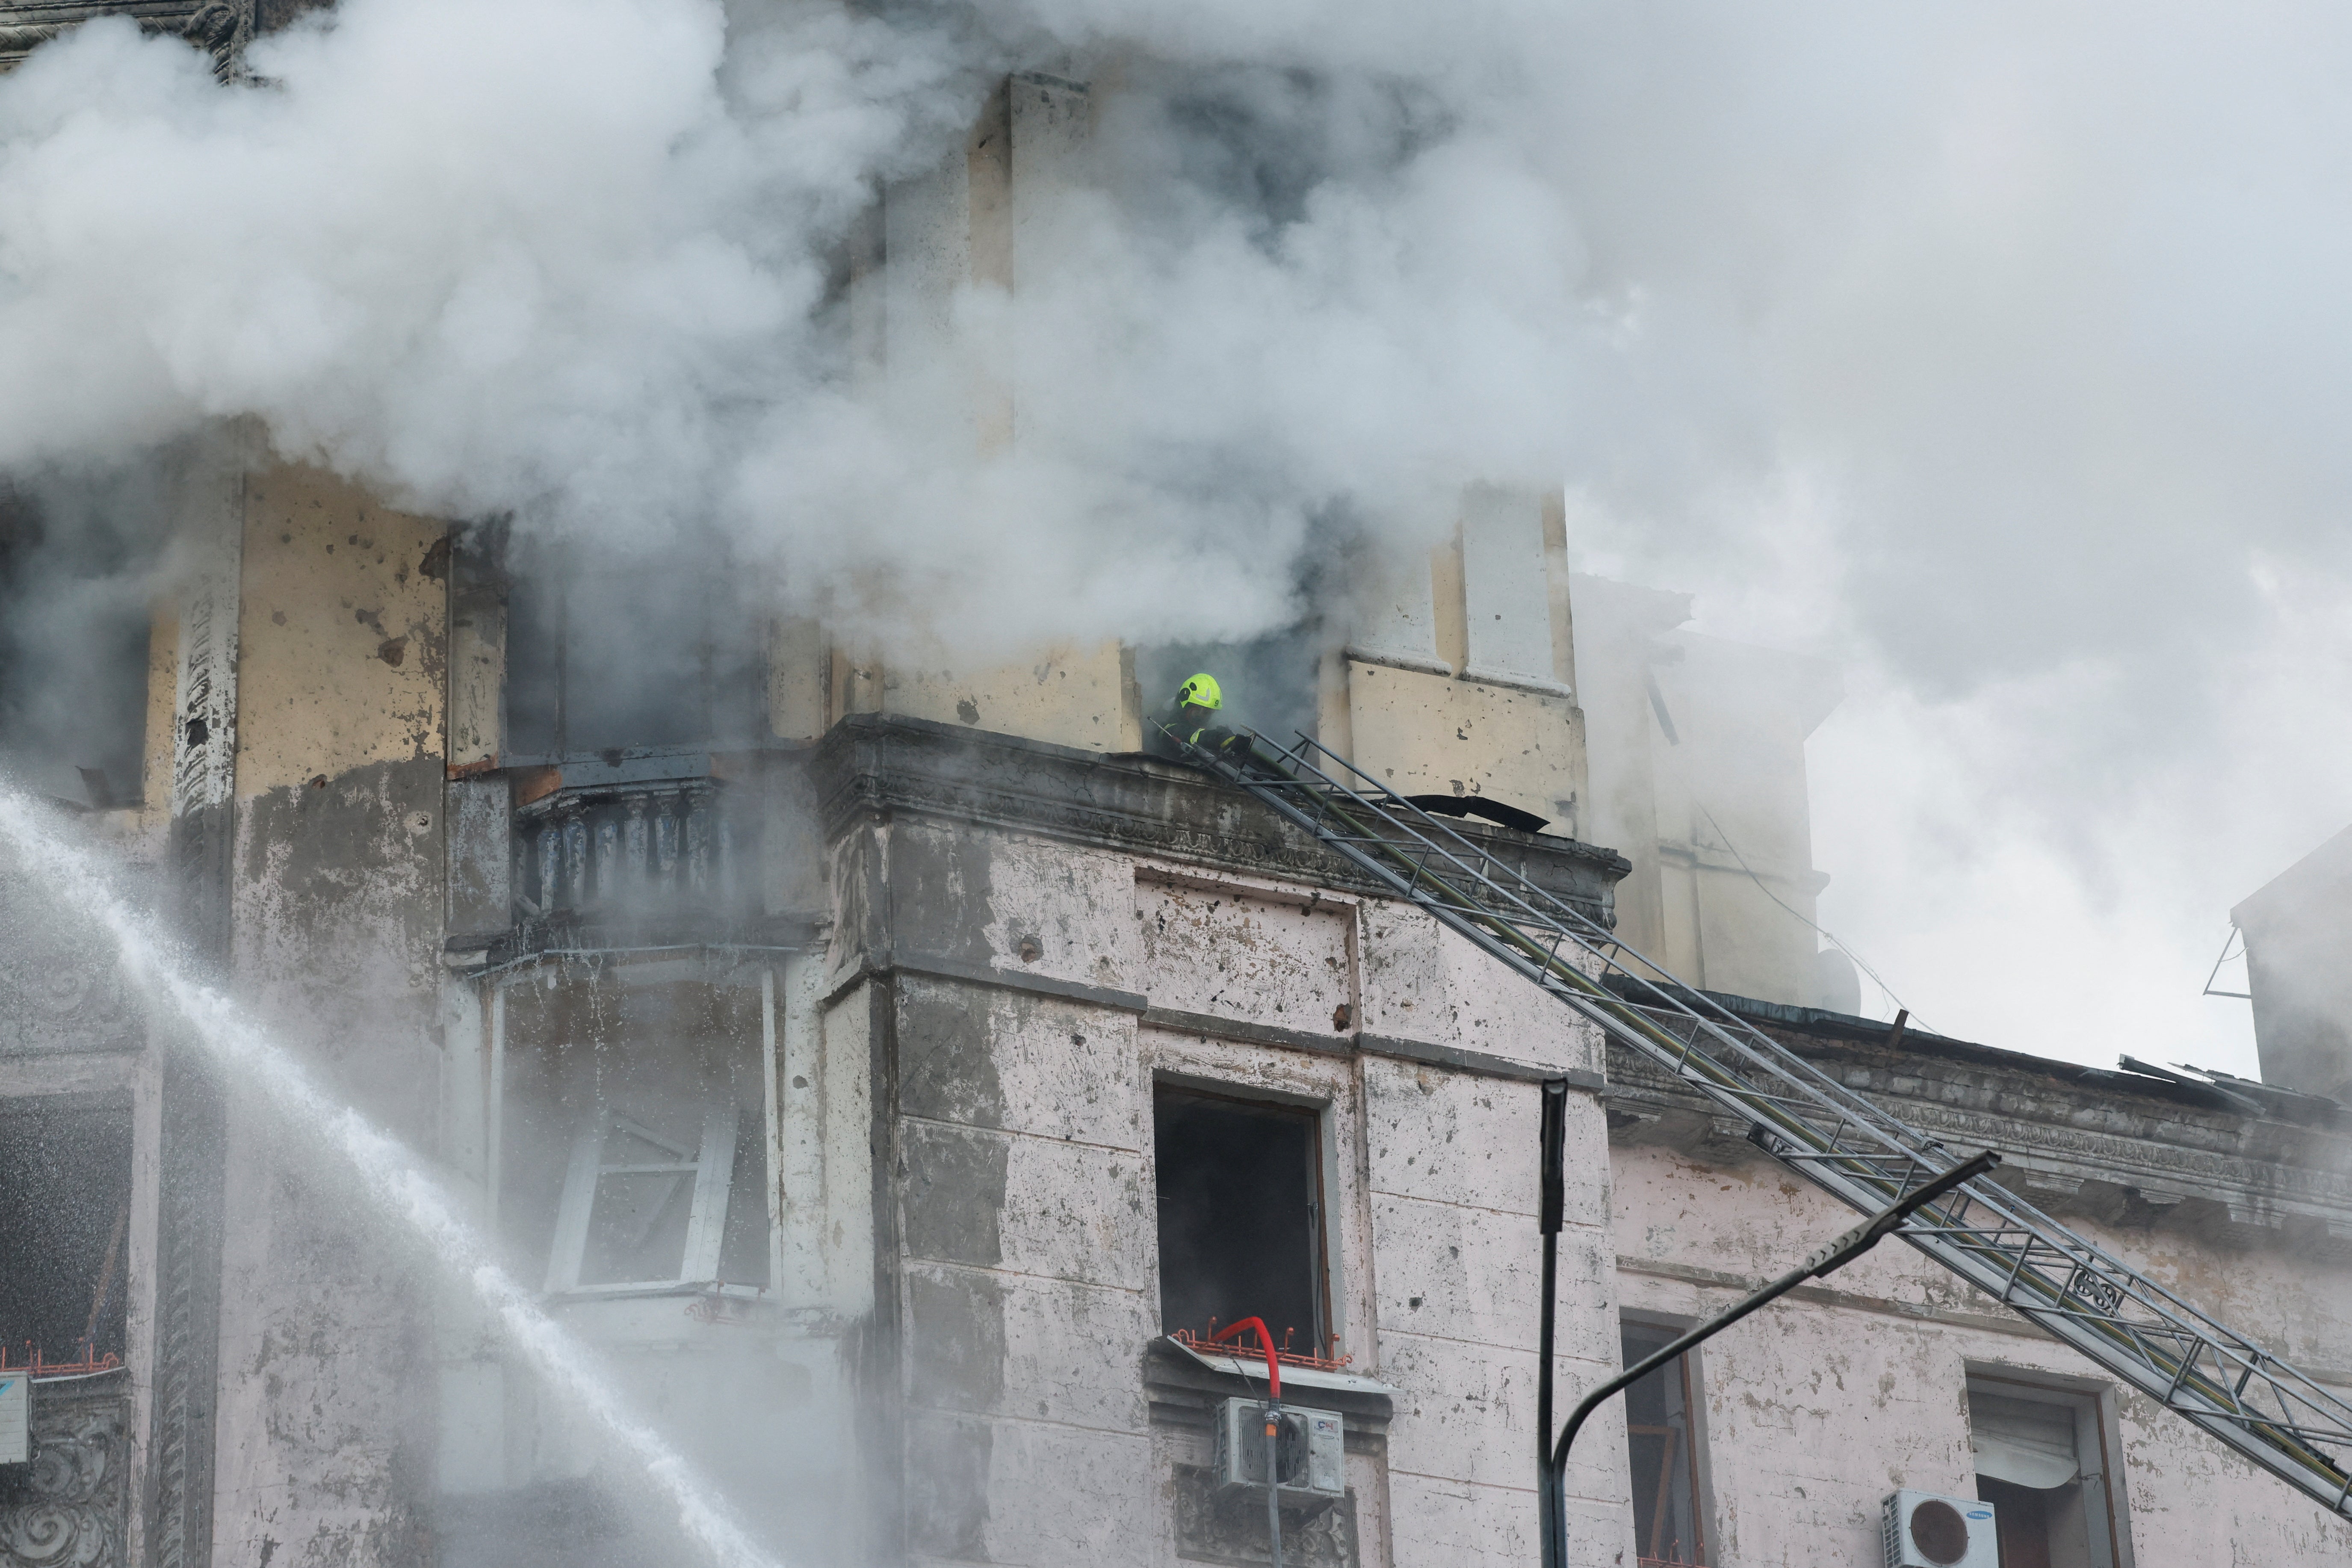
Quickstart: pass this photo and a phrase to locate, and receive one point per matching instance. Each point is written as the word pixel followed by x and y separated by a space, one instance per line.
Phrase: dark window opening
pixel 67 1172
pixel 2039 1458
pixel 75 620
pixel 1662 1440
pixel 1241 1216
pixel 621 657
pixel 1269 683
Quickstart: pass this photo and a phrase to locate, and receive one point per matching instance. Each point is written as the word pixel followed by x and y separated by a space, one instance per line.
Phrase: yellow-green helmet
pixel 1200 692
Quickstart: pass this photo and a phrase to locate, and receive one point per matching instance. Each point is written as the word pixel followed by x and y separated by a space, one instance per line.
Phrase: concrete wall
pixel 1818 1407
pixel 323 1423
pixel 1460 679
pixel 1038 989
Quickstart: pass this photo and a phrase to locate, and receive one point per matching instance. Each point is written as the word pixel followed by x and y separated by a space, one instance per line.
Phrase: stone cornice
pixel 2077 1140
pixel 872 765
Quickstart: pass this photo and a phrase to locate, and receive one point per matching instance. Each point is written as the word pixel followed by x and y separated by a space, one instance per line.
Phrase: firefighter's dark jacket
pixel 1167 732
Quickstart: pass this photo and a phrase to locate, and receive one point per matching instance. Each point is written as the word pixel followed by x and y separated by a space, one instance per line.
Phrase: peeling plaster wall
pixel 1815 1409
pixel 324 1412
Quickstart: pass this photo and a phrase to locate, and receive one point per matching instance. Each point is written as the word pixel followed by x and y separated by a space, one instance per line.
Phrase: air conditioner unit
pixel 1924 1531
pixel 1309 1451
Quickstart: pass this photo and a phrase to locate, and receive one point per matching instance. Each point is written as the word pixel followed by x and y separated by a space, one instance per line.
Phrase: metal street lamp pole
pixel 1551 1476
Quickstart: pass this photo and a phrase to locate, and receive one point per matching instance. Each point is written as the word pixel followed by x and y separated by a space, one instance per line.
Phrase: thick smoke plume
pixel 582 265
pixel 1995 350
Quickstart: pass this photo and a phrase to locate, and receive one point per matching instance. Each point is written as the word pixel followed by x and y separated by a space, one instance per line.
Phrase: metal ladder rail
pixel 2184 1385
pixel 2254 1401
pixel 2150 1353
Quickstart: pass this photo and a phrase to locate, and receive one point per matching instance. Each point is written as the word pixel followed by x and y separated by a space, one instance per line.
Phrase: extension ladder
pixel 1835 1138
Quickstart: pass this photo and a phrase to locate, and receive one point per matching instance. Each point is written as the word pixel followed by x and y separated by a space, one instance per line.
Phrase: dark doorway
pixel 1241 1215
pixel 67 1172
pixel 1663 1446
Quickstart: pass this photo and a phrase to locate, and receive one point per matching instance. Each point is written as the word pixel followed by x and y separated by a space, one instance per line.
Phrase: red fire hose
pixel 1273 1367
pixel 1273 1428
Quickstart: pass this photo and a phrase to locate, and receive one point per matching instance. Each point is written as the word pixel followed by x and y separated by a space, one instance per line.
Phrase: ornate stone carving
pixel 67 1508
pixel 1231 1530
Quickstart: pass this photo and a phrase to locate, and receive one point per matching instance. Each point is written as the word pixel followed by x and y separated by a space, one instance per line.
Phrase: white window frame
pixel 2097 1441
pixel 713 1170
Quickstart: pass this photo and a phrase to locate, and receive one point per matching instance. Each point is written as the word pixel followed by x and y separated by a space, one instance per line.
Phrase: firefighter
pixel 1188 720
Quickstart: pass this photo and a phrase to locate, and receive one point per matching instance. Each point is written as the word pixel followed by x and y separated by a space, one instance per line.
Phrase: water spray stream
pixel 389 1173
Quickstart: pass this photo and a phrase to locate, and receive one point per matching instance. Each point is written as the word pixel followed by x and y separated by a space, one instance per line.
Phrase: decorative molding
pixel 71 1507
pixel 179 1486
pixel 222 28
pixel 178 1502
pixel 2084 1147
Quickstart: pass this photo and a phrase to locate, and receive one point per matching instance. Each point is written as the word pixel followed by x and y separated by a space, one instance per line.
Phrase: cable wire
pixel 1817 931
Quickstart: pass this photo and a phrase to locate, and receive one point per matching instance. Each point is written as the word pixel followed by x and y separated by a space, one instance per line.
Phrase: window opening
pixel 2040 1462
pixel 628 656
pixel 1241 1215
pixel 1270 682
pixel 631 1147
pixel 75 623
pixel 67 1172
pixel 1662 1442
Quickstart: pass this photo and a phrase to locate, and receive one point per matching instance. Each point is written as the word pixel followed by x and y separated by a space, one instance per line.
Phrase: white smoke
pixel 572 262
pixel 1995 350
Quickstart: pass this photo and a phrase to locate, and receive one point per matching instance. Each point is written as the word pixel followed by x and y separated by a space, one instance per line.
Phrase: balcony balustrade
pixel 615 850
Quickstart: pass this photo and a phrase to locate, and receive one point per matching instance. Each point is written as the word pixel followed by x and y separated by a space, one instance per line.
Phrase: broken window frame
pixel 1688 1376
pixel 1325 1335
pixel 711 1173
pixel 2097 1441
pixel 574 1209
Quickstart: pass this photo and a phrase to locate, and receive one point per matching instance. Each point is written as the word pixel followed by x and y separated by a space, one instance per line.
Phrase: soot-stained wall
pixel 337 926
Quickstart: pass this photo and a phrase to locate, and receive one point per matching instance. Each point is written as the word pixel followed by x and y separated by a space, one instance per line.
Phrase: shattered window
pixel 1241 1225
pixel 66 1171
pixel 1661 1443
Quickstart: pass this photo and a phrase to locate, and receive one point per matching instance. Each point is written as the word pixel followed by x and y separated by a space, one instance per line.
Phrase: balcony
pixel 619 842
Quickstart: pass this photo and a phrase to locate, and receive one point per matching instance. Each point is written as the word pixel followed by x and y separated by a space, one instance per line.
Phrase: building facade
pixel 892 1073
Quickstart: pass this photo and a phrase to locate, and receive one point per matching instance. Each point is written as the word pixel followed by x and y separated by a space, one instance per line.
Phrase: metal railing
pixel 1841 1141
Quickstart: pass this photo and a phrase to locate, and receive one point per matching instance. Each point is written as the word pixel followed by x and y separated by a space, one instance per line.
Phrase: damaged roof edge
pixel 2239 1097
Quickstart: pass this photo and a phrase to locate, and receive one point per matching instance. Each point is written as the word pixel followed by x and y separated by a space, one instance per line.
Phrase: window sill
pixel 1182 1381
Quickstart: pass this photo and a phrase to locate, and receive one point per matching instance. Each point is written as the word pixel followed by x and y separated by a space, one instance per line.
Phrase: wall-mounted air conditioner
pixel 1924 1531
pixel 1310 1451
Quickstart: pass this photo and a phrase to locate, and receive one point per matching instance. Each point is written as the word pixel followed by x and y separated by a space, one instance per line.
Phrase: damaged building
pixel 898 1075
